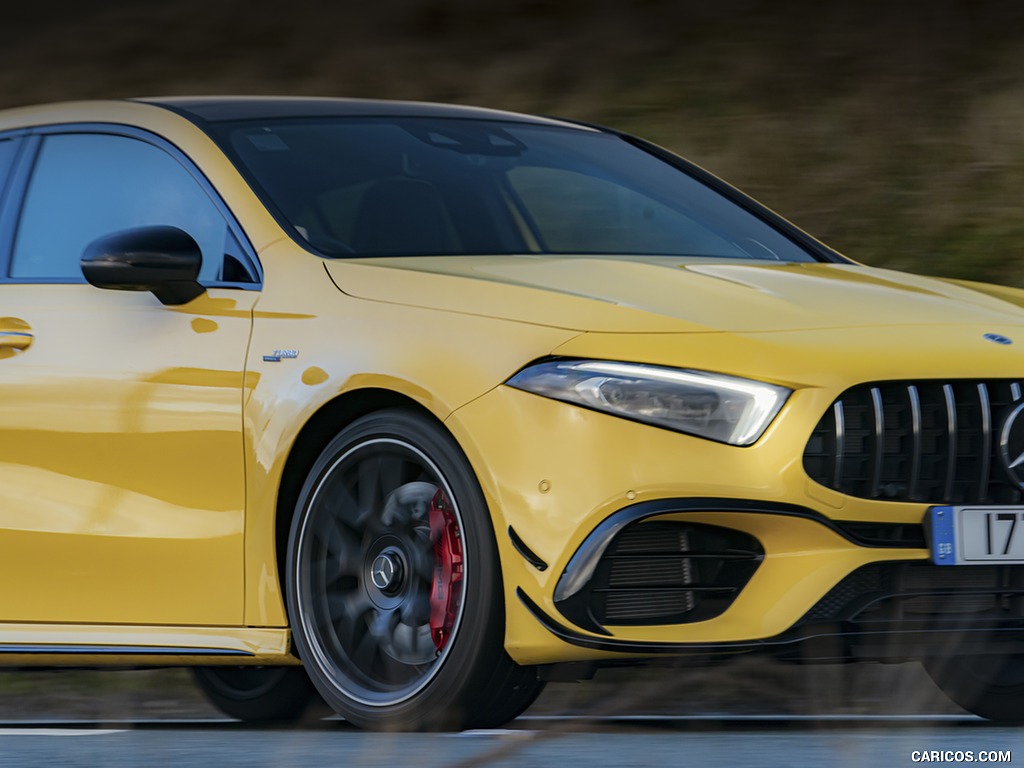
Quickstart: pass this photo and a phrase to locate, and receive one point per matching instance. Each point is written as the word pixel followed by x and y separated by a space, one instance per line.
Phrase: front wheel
pixel 990 686
pixel 393 583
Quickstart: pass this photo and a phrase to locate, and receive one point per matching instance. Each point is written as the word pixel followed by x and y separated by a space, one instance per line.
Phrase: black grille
pixel 924 594
pixel 927 441
pixel 664 572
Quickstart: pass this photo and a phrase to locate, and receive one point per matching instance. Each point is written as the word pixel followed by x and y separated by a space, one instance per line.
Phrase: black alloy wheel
pixel 394 586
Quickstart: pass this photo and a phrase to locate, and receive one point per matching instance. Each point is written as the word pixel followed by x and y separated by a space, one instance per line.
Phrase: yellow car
pixel 429 404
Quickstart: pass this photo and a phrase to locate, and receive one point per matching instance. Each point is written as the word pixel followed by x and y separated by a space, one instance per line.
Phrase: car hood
pixel 620 294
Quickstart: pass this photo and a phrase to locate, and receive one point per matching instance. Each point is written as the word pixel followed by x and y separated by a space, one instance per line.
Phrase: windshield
pixel 447 186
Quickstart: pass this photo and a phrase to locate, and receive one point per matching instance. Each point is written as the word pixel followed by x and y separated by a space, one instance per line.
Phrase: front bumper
pixel 553 474
pixel 889 610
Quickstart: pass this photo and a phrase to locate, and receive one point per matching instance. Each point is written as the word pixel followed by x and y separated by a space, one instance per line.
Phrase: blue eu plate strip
pixel 943 535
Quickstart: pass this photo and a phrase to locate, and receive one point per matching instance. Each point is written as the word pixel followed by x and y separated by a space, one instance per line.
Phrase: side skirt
pixel 26 645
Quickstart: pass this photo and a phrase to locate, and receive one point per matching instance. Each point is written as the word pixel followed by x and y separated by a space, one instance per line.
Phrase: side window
pixel 87 185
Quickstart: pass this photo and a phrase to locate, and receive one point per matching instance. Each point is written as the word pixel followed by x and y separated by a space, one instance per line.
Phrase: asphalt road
pixel 705 741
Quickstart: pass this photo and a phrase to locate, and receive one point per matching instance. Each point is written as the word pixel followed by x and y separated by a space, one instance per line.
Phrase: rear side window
pixel 85 186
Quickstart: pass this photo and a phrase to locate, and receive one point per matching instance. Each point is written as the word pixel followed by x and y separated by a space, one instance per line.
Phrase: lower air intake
pixel 894 594
pixel 666 572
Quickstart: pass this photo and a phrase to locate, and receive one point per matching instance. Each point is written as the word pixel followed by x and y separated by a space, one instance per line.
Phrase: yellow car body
pixel 151 455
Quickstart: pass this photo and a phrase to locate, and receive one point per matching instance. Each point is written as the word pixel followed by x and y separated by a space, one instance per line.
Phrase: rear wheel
pixel 991 686
pixel 257 694
pixel 393 583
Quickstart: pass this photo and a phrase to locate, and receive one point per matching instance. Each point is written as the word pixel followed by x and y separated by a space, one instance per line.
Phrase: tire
pixel 990 686
pixel 393 583
pixel 257 694
pixel 512 694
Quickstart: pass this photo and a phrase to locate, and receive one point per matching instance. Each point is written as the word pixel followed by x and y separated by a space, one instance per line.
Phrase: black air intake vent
pixel 894 594
pixel 666 573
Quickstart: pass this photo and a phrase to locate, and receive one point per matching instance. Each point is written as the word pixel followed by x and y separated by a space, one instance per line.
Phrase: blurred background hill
pixel 893 131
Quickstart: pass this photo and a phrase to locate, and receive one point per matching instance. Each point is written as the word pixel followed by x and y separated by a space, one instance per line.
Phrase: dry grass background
pixel 891 130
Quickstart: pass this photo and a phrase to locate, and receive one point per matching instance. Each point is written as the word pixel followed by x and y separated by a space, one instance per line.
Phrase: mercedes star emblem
pixel 997 338
pixel 1011 446
pixel 383 571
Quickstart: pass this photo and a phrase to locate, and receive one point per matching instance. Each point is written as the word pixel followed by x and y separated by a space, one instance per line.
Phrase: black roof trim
pixel 220 108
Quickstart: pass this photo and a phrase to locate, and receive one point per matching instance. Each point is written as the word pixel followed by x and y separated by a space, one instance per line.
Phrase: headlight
pixel 712 405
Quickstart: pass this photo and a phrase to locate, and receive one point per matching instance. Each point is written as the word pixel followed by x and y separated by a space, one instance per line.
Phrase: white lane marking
pixel 58 731
pixel 753 718
pixel 494 732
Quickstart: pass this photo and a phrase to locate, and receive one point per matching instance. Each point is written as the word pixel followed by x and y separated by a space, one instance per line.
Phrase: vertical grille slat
pixel 917 441
pixel 985 406
pixel 879 413
pixel 840 443
pixel 915 456
pixel 951 437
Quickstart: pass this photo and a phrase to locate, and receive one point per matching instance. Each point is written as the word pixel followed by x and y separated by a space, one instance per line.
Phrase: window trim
pixel 12 203
pixel 11 194
pixel 7 169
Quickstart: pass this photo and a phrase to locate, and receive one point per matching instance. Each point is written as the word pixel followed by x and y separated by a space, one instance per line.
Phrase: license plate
pixel 976 535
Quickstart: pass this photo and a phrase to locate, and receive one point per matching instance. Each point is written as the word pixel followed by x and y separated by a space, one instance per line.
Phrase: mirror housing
pixel 163 260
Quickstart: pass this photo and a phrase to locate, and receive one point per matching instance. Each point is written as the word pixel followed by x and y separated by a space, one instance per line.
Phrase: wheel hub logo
pixel 383 572
pixel 1011 446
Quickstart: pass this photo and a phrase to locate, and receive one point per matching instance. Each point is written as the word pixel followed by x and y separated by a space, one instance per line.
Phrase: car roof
pixel 214 109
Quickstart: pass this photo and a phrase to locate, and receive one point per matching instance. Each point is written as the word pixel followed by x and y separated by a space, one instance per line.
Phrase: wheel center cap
pixel 386 572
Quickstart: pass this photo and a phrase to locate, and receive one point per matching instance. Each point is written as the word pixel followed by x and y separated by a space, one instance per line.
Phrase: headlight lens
pixel 712 405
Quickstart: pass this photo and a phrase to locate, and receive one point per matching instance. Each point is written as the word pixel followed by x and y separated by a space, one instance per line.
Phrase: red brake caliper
pixel 446 587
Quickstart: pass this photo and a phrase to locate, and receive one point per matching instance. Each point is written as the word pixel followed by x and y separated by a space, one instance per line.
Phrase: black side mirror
pixel 164 260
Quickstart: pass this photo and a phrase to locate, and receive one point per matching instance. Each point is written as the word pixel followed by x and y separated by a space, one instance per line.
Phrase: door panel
pixel 121 464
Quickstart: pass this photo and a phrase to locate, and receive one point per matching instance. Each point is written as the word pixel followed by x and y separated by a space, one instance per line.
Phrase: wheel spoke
pixel 342 554
pixel 383 625
pixel 348 617
pixel 343 507
pixel 418 609
pixel 350 606
pixel 365 653
pixel 413 641
pixel 393 670
pixel 369 489
pixel 392 472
